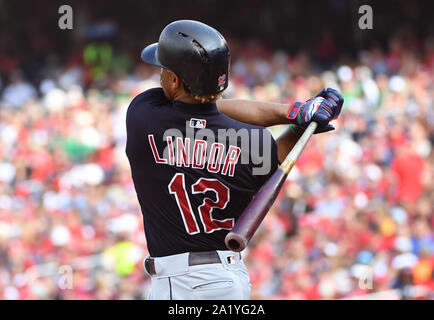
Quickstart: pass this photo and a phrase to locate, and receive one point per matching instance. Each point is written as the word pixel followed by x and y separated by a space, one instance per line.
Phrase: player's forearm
pixel 287 140
pixel 254 112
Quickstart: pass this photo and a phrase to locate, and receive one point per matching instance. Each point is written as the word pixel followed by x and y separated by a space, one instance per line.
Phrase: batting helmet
pixel 195 52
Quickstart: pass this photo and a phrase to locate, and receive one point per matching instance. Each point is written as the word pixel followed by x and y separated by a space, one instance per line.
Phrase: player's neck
pixel 185 97
pixel 178 94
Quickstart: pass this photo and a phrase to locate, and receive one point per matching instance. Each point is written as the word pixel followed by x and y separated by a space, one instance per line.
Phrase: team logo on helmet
pixel 221 82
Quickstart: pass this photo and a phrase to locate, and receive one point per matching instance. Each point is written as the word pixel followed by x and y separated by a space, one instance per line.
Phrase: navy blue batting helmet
pixel 195 52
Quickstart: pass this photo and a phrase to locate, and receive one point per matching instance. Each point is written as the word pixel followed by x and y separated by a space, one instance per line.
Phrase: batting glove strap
pixel 303 113
pixel 293 110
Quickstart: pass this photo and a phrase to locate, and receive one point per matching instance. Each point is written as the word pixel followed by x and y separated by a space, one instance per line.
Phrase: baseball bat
pixel 249 221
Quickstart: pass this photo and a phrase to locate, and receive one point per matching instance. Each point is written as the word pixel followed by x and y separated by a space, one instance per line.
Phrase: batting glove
pixel 323 108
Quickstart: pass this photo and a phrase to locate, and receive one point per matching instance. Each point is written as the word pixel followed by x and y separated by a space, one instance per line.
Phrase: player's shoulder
pixel 153 96
pixel 144 101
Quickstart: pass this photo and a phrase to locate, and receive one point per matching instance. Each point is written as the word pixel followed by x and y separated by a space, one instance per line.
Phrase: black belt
pixel 194 259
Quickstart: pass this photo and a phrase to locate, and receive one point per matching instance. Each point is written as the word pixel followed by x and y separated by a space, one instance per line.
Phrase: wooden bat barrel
pixel 249 221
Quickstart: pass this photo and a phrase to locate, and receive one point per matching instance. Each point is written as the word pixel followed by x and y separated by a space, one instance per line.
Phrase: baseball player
pixel 191 186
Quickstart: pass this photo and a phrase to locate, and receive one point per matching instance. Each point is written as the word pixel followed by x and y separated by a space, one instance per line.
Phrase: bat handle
pixel 299 147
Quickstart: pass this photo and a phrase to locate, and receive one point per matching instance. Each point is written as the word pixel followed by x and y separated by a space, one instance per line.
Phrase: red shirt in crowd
pixel 408 169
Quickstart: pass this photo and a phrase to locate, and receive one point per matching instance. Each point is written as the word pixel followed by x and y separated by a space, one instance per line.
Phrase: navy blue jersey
pixel 192 175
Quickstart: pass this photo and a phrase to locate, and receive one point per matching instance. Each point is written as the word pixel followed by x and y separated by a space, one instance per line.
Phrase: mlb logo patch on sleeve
pixel 197 123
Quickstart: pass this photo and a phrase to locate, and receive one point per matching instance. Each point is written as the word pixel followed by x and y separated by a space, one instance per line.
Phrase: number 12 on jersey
pixel 177 188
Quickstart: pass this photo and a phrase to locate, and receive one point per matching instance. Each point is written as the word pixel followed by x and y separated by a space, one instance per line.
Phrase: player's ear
pixel 176 81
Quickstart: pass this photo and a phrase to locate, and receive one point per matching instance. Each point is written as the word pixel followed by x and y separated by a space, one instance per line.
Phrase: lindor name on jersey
pixel 195 153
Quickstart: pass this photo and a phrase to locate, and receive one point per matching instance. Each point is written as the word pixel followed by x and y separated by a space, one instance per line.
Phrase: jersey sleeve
pixel 140 105
pixel 139 113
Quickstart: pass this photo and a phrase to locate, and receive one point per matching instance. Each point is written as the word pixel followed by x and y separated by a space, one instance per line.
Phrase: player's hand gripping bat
pixel 252 216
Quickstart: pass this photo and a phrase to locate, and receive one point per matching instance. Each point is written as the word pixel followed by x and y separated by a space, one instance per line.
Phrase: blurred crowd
pixel 356 215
